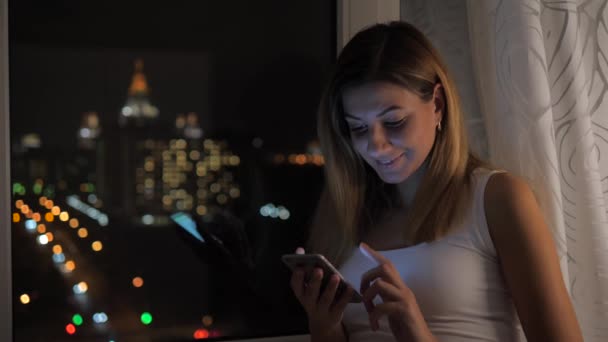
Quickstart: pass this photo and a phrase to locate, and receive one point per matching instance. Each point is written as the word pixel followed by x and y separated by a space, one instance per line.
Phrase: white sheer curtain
pixel 539 74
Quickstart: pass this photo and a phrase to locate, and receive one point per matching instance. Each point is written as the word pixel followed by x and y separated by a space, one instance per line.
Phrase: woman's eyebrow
pixel 390 108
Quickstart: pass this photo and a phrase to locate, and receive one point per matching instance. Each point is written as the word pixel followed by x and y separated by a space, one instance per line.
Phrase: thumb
pixel 300 250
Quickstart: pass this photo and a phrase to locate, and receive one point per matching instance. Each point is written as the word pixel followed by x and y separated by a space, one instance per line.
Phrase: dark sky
pixel 249 68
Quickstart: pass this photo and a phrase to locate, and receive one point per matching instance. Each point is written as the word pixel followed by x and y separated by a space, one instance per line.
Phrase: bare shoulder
pixel 508 198
pixel 528 260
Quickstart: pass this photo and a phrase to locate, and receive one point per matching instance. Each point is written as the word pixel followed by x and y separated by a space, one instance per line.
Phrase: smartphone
pixel 310 261
pixel 188 224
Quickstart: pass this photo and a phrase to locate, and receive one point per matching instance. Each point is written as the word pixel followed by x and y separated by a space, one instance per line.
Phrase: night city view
pixel 127 121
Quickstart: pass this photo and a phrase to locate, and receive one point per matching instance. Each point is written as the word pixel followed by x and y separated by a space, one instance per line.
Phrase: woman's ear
pixel 439 99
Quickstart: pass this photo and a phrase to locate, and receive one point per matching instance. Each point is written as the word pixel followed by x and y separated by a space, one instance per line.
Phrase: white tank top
pixel 457 282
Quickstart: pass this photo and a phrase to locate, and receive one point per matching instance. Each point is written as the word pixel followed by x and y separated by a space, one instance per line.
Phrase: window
pixel 126 113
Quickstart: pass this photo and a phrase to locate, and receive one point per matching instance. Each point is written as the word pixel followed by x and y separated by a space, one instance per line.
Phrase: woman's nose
pixel 378 141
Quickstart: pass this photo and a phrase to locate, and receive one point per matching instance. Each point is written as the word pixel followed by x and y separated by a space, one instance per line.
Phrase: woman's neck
pixel 408 188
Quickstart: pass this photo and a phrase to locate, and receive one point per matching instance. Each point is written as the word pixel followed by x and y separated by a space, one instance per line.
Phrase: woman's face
pixel 392 128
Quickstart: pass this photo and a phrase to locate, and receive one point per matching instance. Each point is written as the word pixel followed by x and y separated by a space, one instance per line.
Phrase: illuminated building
pixel 163 172
pixel 185 175
pixel 138 109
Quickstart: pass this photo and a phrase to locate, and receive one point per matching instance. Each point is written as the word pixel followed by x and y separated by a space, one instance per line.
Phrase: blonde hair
pixel 355 197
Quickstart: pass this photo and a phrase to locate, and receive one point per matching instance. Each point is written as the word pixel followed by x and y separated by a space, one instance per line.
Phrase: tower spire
pixel 139 85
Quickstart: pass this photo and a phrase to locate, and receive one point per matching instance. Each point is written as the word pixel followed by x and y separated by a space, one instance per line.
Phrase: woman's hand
pixel 324 310
pixel 399 303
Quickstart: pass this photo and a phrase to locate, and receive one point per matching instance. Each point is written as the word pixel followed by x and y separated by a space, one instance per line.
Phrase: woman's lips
pixel 390 163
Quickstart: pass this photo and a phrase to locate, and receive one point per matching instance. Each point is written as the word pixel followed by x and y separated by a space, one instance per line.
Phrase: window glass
pixel 163 158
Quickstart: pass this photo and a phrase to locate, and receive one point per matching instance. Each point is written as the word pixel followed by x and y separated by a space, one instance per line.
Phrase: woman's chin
pixel 393 177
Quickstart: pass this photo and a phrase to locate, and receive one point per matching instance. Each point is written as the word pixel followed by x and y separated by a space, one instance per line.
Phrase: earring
pixel 439 126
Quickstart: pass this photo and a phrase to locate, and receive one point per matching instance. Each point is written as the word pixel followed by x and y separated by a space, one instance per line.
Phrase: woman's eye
pixel 358 129
pixel 395 123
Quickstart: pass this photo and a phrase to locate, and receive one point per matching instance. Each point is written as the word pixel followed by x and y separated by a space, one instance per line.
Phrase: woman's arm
pixel 529 261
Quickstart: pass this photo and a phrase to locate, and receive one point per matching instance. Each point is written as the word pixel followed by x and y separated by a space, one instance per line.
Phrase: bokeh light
pixel 64 216
pixel 201 334
pixel 16 217
pixel 41 228
pixel 97 246
pixel 49 204
pixel 57 249
pixel 74 223
pixel 138 282
pixel 18 204
pixel 100 317
pixel 70 329
pixel 83 232
pixel 50 237
pixel 49 217
pixel 207 320
pixel 80 288
pixel 146 318
pixel 30 224
pixel 70 265
pixel 43 240
pixel 56 210
pixel 77 319
pixel 36 217
pixel 25 298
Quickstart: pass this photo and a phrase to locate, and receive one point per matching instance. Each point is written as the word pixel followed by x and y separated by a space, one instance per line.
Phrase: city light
pixel 270 210
pixel 49 237
pixel 74 223
pixel 58 258
pixel 25 209
pixel 201 334
pixel 70 329
pixel 43 240
pixel 74 202
pixel 80 288
pixel 56 210
pixel 97 246
pixel 49 204
pixel 41 228
pixel 83 232
pixel 138 282
pixel 57 249
pixel 146 318
pixel 77 319
pixel 147 219
pixel 42 200
pixel 18 204
pixel 36 217
pixel 25 298
pixel 16 217
pixel 100 317
pixel 49 217
pixel 70 266
pixel 64 216
pixel 18 189
pixel 30 224
pixel 207 320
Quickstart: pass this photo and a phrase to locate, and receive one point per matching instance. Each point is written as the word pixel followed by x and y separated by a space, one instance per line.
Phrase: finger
pixel 328 295
pixel 385 271
pixel 372 253
pixel 383 309
pixel 311 292
pixel 381 288
pixel 297 282
pixel 343 301
pixel 300 250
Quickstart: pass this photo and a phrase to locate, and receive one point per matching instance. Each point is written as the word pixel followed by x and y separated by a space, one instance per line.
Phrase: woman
pixel 462 251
